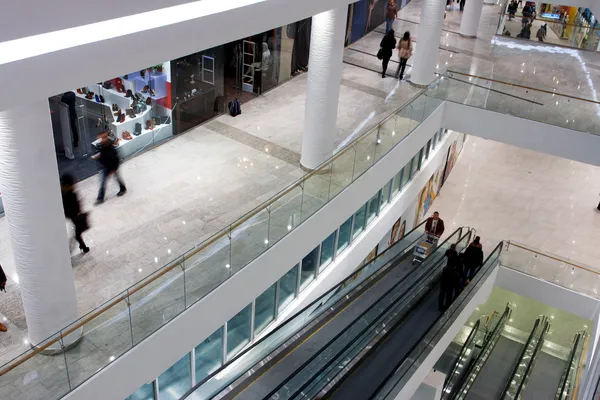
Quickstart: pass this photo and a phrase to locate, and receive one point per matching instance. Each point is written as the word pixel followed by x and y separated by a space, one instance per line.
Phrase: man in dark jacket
pixel 434 225
pixel 387 45
pixel 109 159
pixel 473 258
pixel 450 282
pixel 73 209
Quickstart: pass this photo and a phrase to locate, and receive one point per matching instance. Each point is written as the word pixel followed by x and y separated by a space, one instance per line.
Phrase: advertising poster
pixel 393 236
pixel 366 16
pixel 370 257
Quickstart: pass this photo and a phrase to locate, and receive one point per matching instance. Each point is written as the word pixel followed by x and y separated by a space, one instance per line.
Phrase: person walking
pixel 404 51
pixel 72 209
pixel 450 281
pixel 391 15
pixel 3 281
pixel 109 159
pixel 387 46
pixel 462 5
pixel 473 258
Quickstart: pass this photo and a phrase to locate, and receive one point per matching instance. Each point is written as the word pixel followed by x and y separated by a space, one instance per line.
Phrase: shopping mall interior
pixel 272 238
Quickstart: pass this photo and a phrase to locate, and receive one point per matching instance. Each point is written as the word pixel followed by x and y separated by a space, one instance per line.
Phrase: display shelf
pixel 148 137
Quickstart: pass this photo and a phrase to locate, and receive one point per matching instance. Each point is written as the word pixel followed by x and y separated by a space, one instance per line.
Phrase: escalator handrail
pixel 391 305
pixel 432 272
pixel 521 355
pixel 565 378
pixel 538 347
pixel 496 333
pixel 463 349
pixel 493 253
pixel 349 277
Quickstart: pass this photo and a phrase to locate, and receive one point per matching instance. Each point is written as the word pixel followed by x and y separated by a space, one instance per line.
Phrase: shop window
pixel 359 221
pixel 264 309
pixel 146 392
pixel 176 381
pixel 238 332
pixel 327 248
pixel 344 236
pixel 209 355
pixel 373 207
pixel 287 287
pixel 309 268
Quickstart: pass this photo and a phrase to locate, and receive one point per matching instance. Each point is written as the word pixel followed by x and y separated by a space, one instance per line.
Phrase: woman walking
pixel 388 44
pixel 404 51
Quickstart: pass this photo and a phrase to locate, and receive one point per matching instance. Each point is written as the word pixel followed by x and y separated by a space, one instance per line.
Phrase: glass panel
pixel 37 378
pixel 327 251
pixel 207 266
pixel 427 149
pixel 174 382
pixel 414 166
pixel 386 193
pixel 344 236
pixel 434 141
pixel 309 267
pixel 385 140
pixel 285 214
pixel 405 175
pixel 421 153
pixel 163 296
pixel 365 153
pixel 287 287
pixel 146 392
pixel 238 331
pixel 264 309
pixel 315 191
pixel 342 170
pixel 373 207
pixel 209 355
pixel 107 337
pixel 403 123
pixel 249 239
pixel 359 221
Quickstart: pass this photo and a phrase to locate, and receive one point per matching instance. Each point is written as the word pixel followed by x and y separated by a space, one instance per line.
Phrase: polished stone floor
pixel 194 186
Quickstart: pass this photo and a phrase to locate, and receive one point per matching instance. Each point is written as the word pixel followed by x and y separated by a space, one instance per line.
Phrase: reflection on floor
pixel 189 188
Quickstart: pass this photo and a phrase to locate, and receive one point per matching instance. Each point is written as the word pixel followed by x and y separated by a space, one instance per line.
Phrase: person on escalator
pixel 473 258
pixel 450 282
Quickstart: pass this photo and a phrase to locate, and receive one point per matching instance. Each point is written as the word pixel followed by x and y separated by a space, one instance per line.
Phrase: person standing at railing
pixel 387 46
pixel 473 258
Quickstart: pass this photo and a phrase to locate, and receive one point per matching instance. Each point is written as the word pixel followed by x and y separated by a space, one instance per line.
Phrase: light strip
pixel 45 43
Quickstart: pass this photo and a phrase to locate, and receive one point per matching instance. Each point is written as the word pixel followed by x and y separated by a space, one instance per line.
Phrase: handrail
pixel 521 86
pixel 550 256
pixel 483 355
pixel 565 377
pixel 459 357
pixel 85 319
pixel 349 277
pixel 525 376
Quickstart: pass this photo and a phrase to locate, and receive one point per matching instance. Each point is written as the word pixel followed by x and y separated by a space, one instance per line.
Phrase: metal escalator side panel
pixel 427 269
pixel 524 365
pixel 568 385
pixel 462 390
pixel 462 359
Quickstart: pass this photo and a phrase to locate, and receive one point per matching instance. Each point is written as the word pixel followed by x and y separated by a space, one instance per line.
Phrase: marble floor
pixel 194 186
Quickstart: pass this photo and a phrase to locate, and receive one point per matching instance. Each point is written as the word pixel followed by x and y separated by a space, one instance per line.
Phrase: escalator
pixel 311 353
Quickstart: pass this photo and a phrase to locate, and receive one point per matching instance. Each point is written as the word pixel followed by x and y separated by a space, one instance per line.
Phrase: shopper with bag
pixel 72 210
pixel 404 51
pixel 387 46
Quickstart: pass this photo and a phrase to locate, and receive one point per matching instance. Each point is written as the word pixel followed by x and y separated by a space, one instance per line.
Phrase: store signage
pixel 550 16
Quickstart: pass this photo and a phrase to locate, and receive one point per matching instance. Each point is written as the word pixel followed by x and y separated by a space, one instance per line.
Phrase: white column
pixel 470 18
pixel 323 91
pixel 428 41
pixel 32 201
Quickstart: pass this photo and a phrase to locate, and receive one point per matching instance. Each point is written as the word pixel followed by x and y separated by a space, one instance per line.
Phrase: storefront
pixel 142 109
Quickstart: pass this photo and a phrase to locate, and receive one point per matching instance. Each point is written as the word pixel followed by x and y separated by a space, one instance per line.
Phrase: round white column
pixel 323 90
pixel 32 201
pixel 428 41
pixel 470 18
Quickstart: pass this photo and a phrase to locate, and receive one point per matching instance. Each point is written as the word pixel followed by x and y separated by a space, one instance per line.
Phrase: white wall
pixel 550 139
pixel 215 22
pixel 158 352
